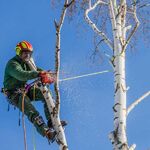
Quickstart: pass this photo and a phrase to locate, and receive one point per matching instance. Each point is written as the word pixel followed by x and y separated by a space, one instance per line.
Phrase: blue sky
pixel 85 103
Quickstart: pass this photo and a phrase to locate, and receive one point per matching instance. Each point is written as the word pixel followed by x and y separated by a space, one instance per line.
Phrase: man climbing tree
pixel 17 73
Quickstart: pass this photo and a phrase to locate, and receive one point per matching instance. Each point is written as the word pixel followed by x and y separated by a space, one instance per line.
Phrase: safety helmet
pixel 23 46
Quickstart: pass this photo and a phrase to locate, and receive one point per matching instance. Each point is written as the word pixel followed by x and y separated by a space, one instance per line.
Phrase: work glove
pixel 47 77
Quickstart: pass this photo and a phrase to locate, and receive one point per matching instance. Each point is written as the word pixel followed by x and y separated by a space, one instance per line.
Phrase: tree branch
pixel 112 13
pixel 132 147
pixel 134 29
pixel 58 27
pixel 134 104
pixel 61 140
pixel 93 26
pixel 144 5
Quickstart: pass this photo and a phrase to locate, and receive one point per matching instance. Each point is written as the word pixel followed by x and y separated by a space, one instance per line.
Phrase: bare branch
pixel 93 26
pixel 58 27
pixel 112 14
pixel 61 140
pixel 97 45
pixel 133 30
pixel 62 17
pixel 132 147
pixel 144 5
pixel 134 104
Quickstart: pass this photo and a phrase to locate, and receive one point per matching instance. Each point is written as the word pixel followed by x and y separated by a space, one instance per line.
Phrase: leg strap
pixel 39 120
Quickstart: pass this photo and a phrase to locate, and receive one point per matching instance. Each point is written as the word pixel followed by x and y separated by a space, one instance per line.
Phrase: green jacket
pixel 17 73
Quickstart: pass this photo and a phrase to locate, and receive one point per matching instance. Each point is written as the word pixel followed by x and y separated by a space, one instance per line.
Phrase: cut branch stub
pixel 56 25
pixel 69 4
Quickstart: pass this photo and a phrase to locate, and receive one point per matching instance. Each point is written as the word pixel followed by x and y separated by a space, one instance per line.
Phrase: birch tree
pixel 124 21
pixel 54 105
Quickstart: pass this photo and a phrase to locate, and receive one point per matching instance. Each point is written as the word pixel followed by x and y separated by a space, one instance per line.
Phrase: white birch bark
pixel 58 27
pixel 61 139
pixel 117 10
pixel 119 133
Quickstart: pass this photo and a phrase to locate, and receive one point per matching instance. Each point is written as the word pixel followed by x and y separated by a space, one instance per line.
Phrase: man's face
pixel 25 55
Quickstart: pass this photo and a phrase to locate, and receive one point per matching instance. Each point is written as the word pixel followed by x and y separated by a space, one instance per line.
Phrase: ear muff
pixel 18 50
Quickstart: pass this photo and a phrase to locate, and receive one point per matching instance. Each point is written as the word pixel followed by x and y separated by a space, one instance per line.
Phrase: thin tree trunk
pixel 119 34
pixel 120 139
pixel 61 139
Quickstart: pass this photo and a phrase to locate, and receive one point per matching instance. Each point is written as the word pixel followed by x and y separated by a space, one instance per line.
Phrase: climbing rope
pixel 33 138
pixel 23 122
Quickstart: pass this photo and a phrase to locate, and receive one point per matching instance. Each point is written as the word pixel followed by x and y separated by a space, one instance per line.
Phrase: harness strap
pixel 23 121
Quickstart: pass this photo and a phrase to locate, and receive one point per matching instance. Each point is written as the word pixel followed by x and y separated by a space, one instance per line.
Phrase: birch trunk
pixel 118 25
pixel 60 138
pixel 119 134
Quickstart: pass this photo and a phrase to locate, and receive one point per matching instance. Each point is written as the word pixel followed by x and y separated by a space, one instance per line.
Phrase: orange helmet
pixel 23 45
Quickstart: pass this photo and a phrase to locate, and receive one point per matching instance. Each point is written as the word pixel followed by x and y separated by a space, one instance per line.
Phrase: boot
pixel 50 125
pixel 43 129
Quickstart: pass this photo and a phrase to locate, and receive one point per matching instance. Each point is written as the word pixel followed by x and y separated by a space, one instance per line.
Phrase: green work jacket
pixel 17 73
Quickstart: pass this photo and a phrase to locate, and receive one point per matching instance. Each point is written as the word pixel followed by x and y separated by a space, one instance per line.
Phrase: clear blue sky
pixel 85 103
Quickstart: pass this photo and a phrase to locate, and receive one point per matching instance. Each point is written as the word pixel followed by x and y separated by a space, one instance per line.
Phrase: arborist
pixel 17 74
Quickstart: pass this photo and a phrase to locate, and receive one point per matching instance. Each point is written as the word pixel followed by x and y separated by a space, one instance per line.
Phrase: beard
pixel 26 58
